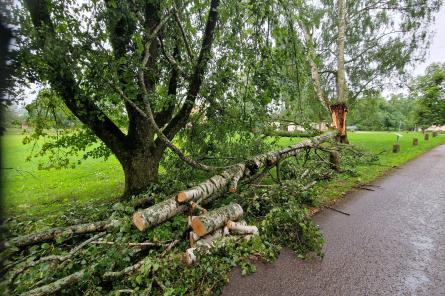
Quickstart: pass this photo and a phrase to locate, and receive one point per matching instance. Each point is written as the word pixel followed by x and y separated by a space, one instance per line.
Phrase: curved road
pixel 393 242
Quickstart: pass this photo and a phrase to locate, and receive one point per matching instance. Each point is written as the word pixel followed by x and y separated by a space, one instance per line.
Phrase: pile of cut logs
pixel 222 224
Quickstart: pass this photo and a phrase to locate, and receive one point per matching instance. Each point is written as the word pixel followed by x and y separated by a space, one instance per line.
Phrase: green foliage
pixel 302 235
pixel 375 113
pixel 429 89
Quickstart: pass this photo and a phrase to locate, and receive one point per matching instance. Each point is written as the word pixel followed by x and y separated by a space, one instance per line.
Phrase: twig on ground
pixel 334 209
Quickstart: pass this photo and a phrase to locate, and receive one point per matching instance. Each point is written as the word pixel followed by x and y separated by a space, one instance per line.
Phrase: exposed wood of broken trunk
pixel 338 113
pixel 216 186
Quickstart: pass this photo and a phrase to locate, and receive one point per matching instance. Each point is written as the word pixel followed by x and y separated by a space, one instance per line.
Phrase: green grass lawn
pixel 29 191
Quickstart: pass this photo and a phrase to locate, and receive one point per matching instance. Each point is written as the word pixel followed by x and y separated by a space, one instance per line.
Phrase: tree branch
pixel 181 118
pixel 314 68
pixel 64 83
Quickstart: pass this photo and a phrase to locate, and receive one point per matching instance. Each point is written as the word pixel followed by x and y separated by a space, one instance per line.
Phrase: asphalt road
pixel 393 242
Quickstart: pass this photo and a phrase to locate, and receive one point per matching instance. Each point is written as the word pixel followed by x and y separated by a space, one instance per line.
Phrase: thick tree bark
pixel 341 72
pixel 141 170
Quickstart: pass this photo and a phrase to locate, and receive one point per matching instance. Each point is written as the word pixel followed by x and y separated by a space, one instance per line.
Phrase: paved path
pixel 393 243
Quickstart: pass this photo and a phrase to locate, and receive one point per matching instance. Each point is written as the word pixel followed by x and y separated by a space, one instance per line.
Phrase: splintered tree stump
pixel 427 137
pixel 415 142
pixel 338 114
pixel 434 134
pixel 396 148
pixel 216 219
pixel 334 160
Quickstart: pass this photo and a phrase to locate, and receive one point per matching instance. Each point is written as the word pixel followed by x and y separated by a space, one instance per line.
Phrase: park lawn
pixel 29 191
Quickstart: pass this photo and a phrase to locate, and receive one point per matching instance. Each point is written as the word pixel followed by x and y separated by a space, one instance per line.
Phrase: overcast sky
pixel 437 48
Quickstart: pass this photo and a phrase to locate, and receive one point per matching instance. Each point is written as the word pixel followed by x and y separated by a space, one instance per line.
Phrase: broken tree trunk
pixel 216 219
pixel 338 113
pixel 216 186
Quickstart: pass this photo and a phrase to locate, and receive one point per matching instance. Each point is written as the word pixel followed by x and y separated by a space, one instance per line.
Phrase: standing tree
pixel 357 46
pixel 429 90
pixel 131 71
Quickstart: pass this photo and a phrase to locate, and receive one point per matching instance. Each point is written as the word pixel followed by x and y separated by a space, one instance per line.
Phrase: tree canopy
pixel 429 90
pixel 142 76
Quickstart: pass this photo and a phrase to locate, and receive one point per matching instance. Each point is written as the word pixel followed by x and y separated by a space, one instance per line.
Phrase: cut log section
pixel 189 256
pixel 207 241
pixel 159 212
pixel 241 228
pixel 165 210
pixel 216 219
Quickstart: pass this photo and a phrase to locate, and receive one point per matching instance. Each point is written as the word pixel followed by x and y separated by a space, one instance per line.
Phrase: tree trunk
pixel 141 170
pixel 338 113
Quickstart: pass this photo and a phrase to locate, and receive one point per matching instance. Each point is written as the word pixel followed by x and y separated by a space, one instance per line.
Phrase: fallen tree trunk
pixel 216 219
pixel 211 186
pixel 53 233
pixel 165 210
pixel 283 133
pixel 217 185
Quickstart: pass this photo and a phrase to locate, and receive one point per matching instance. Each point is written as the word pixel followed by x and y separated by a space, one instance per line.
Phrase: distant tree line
pixel 423 107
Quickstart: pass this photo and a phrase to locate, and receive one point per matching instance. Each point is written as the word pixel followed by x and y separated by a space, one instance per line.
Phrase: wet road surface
pixel 393 242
